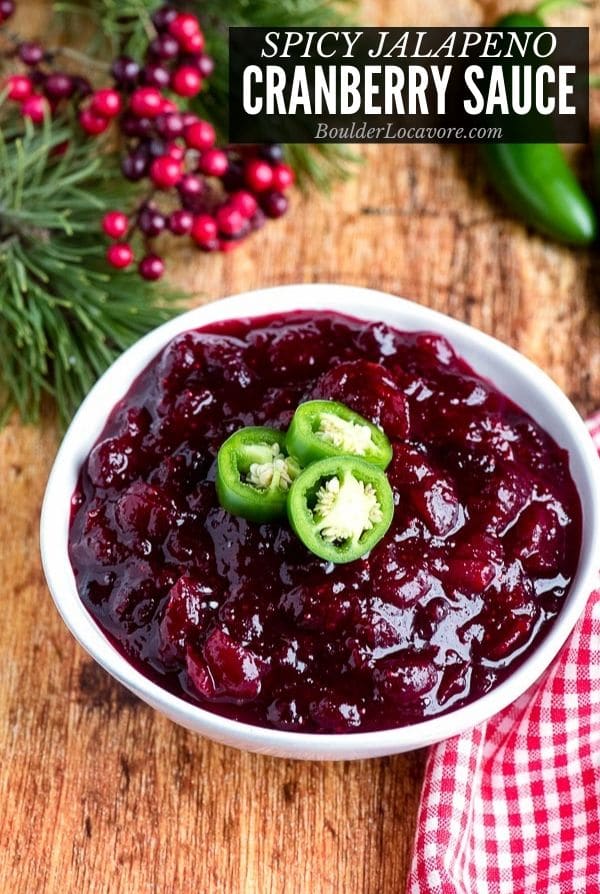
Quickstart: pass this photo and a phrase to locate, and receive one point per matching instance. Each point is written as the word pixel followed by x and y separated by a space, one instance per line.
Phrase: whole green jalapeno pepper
pixel 535 179
pixel 254 474
pixel 325 428
pixel 340 507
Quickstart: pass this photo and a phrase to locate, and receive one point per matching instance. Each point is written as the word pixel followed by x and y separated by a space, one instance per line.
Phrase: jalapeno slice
pixel 340 507
pixel 254 474
pixel 325 428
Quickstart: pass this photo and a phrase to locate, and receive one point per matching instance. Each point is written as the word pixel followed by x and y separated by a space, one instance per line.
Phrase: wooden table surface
pixel 98 793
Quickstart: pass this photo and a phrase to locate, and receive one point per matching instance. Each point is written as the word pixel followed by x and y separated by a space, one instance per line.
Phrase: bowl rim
pixel 114 384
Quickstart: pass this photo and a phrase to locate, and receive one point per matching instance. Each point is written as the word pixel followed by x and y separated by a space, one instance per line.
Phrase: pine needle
pixel 63 317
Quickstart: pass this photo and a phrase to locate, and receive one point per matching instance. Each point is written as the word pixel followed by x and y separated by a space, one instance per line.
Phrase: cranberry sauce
pixel 241 618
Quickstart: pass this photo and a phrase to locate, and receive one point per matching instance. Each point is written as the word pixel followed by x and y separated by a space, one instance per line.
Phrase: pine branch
pixel 63 316
pixel 125 25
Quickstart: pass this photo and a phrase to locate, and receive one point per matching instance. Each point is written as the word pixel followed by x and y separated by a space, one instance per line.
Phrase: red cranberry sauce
pixel 241 618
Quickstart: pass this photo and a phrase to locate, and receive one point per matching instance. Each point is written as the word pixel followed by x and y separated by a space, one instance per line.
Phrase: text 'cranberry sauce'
pixel 240 618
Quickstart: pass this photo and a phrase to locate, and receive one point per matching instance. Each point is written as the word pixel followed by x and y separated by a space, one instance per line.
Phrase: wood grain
pixel 100 794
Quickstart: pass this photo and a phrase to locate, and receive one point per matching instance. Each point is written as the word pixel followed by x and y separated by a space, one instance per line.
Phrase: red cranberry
pixel 407 677
pixel 437 503
pixel 244 202
pixel 135 127
pixel 7 9
pixel 211 245
pixel 154 75
pixel 115 224
pixel 151 222
pixel 213 163
pixel 191 188
pixel 371 390
pixel 283 177
pixel 59 86
pixel 204 229
pixel 136 423
pixel 193 44
pixel 200 135
pixel 272 153
pixel 184 25
pixel 174 150
pixel 538 538
pixel 428 617
pixel 19 87
pixel 110 462
pixel 125 71
pixel 155 147
pixel 470 575
pixel 187 612
pixel 258 175
pixel 454 678
pixel 287 714
pixel 134 166
pixel 81 86
pixel 145 511
pixel 163 47
pixel 146 102
pixel 163 16
pixel 119 255
pixel 186 81
pixel 180 222
pixel 205 65
pixel 92 123
pixel 165 172
pixel 233 179
pixel 198 674
pixel 237 671
pixel 230 221
pixel 337 714
pixel 34 107
pixel 506 635
pixel 274 204
pixel 30 53
pixel 169 126
pixel 318 609
pixel 103 547
pixel 151 267
pixel 106 103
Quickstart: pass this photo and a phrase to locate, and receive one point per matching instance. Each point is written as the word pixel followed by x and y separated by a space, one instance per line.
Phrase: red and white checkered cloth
pixel 513 806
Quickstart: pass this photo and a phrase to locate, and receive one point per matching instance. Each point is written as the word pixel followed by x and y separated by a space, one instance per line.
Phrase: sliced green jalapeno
pixel 340 507
pixel 324 428
pixel 535 179
pixel 254 474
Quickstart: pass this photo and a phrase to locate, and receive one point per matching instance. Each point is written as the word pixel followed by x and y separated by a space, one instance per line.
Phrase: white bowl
pixel 516 376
